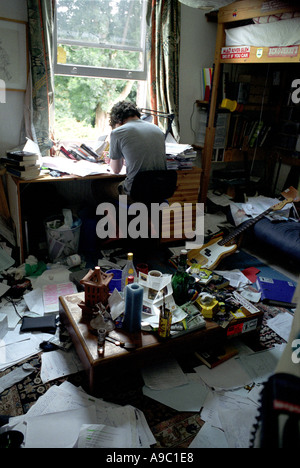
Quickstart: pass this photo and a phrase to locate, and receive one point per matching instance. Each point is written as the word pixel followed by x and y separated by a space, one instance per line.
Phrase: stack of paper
pixel 67 417
pixel 221 394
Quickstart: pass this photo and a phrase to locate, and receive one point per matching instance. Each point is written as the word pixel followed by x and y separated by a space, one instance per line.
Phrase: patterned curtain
pixel 39 116
pixel 163 19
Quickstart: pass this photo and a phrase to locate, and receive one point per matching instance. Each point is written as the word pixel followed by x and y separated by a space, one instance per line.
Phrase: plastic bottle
pixel 128 270
pixel 181 280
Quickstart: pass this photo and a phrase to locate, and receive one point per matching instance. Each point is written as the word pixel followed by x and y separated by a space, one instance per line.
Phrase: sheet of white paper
pixel 15 347
pixel 145 435
pixel 12 317
pixel 251 295
pixel 124 416
pixel 34 301
pixel 51 293
pixel 167 374
pixel 15 376
pixel 62 398
pixel 54 276
pixel 229 400
pixel 3 288
pixel 58 430
pixel 281 324
pixel 236 278
pixel 116 304
pixel 101 436
pixel 108 413
pixel 261 365
pixel 31 146
pixel 6 261
pixel 209 437
pixel 220 200
pixel 79 168
pixel 228 375
pixel 59 363
pixel 237 426
pixel 188 397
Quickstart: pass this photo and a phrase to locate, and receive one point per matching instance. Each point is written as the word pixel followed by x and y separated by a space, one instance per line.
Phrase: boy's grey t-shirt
pixel 142 145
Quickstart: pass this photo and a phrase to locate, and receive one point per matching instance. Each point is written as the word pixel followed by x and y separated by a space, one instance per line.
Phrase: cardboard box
pixel 244 322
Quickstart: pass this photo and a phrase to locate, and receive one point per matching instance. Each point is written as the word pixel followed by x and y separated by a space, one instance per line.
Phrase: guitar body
pixel 210 255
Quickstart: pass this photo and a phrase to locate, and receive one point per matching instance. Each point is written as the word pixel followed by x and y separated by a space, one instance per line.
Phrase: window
pixel 101 58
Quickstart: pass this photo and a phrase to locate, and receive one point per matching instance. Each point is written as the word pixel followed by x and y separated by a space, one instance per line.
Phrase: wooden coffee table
pixel 148 345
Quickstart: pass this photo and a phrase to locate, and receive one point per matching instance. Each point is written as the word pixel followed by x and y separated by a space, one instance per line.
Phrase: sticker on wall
pixel 259 53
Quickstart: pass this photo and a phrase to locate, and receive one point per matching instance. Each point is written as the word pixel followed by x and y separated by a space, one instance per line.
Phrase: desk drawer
pixel 177 222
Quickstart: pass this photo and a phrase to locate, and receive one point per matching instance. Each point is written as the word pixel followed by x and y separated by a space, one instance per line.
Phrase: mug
pixel 142 267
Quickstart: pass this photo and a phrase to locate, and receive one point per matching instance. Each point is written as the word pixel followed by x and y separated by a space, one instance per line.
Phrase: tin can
pixel 165 320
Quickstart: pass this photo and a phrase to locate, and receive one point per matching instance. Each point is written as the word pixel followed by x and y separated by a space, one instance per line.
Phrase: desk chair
pixel 155 186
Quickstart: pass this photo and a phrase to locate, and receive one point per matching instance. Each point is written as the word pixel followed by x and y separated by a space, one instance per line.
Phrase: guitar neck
pixel 244 226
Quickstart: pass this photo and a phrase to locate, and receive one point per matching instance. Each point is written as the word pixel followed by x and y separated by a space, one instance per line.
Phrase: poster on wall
pixel 13 54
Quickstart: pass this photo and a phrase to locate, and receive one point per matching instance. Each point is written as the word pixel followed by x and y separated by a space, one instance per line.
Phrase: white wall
pixel 11 111
pixel 198 42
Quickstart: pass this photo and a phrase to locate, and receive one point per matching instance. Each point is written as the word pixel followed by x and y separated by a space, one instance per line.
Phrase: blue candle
pixel 133 307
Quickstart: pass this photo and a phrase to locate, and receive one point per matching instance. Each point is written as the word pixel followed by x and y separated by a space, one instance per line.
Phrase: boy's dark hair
pixel 121 111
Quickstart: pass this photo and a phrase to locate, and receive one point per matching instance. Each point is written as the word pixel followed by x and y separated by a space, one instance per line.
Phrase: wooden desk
pixel 16 187
pixel 188 185
pixel 148 345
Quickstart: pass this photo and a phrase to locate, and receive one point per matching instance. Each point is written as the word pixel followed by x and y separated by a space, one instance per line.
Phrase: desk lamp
pixel 164 115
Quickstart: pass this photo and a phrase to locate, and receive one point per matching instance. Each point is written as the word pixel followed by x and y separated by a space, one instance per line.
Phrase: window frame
pixel 101 72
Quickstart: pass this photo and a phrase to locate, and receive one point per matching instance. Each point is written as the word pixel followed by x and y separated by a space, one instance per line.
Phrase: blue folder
pixel 276 292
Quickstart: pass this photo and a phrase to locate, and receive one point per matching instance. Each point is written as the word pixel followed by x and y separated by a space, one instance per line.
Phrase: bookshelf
pixel 271 101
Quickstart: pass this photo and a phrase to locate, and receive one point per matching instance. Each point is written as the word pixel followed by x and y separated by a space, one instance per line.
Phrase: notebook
pixel 276 292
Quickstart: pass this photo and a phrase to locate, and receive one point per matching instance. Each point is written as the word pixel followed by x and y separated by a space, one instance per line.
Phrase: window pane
pixel 106 22
pixel 105 58
pixel 82 105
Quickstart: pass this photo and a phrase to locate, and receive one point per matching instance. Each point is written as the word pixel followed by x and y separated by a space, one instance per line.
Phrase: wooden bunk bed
pixel 228 17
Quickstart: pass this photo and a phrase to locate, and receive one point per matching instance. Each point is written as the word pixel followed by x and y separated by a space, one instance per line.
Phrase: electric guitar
pixel 210 255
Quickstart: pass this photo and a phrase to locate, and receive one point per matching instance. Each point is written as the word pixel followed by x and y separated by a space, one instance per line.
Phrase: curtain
pixel 163 19
pixel 39 107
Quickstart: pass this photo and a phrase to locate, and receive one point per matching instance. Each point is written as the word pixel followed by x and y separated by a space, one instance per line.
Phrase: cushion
pixel 283 235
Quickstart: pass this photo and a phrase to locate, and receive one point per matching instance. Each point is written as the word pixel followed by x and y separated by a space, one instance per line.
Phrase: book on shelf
pixel 215 357
pixel 276 292
pixel 255 133
pixel 264 135
pixel 205 83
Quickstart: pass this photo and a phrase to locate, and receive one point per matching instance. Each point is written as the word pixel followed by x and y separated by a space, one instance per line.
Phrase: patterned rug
pixel 170 428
